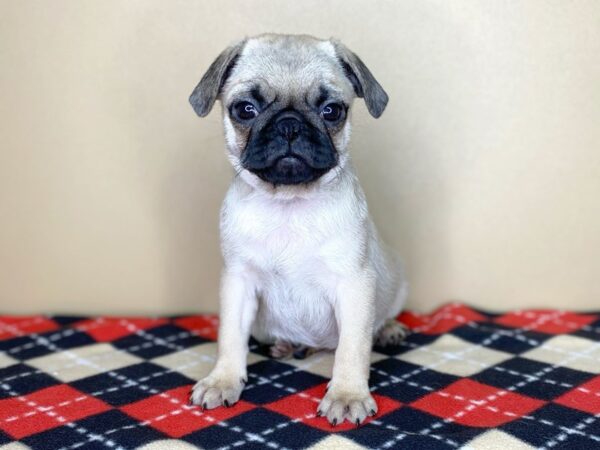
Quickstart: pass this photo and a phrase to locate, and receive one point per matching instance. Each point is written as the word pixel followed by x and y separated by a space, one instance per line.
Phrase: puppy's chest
pixel 282 250
pixel 295 279
pixel 291 244
pixel 295 287
pixel 295 253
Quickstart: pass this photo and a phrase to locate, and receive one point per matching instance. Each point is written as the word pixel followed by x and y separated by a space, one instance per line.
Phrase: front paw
pixel 218 388
pixel 347 403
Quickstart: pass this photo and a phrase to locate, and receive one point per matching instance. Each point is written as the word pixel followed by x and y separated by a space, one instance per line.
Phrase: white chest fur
pixel 294 252
pixel 291 251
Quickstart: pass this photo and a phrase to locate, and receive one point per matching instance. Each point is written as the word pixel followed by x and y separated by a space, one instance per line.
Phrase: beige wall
pixel 484 171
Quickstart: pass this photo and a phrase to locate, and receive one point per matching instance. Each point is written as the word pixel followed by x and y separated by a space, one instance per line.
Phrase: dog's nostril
pixel 288 127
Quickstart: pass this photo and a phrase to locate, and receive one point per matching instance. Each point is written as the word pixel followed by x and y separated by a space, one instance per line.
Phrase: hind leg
pixel 281 350
pixel 391 333
pixel 286 350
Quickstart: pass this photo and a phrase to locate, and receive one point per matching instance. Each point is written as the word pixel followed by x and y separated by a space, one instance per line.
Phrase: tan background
pixel 484 171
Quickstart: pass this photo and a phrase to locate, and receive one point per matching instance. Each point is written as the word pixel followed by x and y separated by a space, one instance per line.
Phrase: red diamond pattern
pixel 443 320
pixel 205 326
pixel 584 398
pixel 303 407
pixel 546 321
pixel 169 412
pixel 106 329
pixel 15 326
pixel 46 409
pixel 478 405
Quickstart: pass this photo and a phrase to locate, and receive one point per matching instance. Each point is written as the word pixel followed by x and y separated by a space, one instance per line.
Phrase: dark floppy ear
pixel 365 84
pixel 206 92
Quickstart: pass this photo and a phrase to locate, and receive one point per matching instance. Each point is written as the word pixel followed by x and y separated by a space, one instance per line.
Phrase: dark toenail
pixel 334 422
pixel 319 413
pixel 372 412
pixel 357 423
pixel 226 403
pixel 204 406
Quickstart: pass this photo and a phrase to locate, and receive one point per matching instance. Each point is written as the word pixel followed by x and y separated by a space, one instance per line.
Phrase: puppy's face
pixel 286 103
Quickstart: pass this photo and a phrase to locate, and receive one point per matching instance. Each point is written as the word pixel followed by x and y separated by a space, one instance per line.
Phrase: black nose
pixel 288 127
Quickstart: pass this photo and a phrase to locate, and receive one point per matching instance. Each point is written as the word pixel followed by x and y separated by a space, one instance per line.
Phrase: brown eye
pixel 244 111
pixel 331 112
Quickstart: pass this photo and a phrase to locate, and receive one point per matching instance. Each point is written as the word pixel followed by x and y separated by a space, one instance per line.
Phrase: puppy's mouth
pixel 289 150
pixel 290 169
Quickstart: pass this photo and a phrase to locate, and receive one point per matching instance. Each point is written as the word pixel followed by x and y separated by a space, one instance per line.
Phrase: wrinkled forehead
pixel 294 68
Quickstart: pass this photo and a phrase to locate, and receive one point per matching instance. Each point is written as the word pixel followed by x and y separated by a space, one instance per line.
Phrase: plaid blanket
pixel 463 379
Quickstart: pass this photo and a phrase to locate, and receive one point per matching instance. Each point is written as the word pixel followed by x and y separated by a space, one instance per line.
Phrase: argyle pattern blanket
pixel 462 379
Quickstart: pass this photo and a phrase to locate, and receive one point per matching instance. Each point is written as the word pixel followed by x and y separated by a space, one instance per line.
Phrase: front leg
pixel 224 384
pixel 348 394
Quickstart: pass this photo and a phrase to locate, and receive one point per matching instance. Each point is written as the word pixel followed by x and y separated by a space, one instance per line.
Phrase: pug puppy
pixel 304 266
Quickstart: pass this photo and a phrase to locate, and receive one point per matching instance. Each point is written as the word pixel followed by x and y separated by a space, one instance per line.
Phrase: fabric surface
pixel 462 379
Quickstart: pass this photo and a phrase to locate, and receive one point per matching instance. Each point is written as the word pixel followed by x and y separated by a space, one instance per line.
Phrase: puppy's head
pixel 286 103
